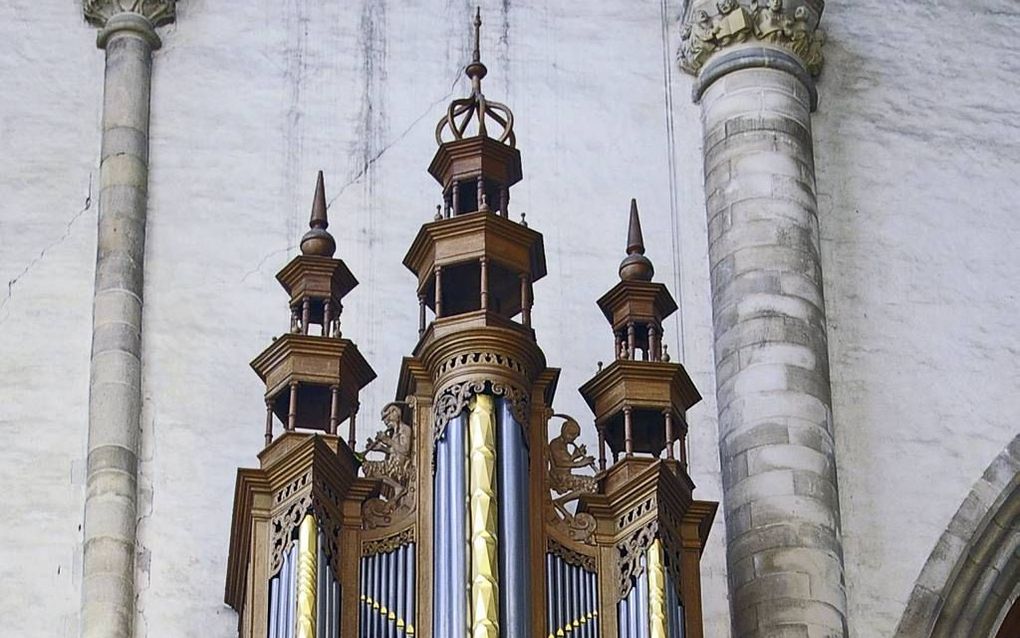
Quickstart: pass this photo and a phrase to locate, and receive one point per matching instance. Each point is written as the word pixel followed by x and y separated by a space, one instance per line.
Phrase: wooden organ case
pixel 465 515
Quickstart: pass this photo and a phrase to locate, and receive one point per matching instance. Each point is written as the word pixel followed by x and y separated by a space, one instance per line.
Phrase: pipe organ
pixel 474 512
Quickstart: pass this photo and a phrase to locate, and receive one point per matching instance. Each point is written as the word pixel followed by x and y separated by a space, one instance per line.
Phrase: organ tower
pixel 473 511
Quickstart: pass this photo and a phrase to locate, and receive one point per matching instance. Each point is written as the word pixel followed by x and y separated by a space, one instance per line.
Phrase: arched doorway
pixel 971 582
pixel 1011 624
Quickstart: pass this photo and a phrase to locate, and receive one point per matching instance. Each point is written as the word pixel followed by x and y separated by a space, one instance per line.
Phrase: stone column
pixel 754 65
pixel 127 34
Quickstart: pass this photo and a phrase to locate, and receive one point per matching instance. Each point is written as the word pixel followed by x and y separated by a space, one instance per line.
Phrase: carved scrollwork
pixel 630 550
pixel 571 557
pixel 671 545
pixel 158 12
pixel 283 525
pixel 787 23
pixel 452 400
pixel 388 544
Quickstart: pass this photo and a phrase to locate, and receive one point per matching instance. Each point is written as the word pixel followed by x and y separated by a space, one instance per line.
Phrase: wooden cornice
pixel 251 491
pixel 320 276
pixel 641 301
pixel 472 156
pixel 468 237
pixel 639 384
pixel 312 359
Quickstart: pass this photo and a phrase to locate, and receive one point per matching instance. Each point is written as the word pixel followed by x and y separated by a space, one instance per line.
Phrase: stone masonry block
pixel 743 439
pixel 810 612
pixel 791 534
pixel 795 457
pixel 770 587
pixel 764 485
pixel 785 508
pixel 757 209
pixel 125 140
pixel 792 409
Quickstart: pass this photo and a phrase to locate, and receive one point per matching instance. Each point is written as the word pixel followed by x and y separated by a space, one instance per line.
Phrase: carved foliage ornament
pixel 631 549
pixel 388 544
pixel 790 24
pixel 452 400
pixel 158 12
pixel 571 557
pixel 283 525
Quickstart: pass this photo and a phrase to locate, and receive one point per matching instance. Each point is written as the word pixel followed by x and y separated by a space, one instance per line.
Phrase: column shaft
pixel 772 371
pixel 115 402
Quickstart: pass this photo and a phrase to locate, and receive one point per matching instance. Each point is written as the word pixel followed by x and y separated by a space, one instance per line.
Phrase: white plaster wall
pixel 917 146
pixel 49 148
pixel 249 101
pixel 917 149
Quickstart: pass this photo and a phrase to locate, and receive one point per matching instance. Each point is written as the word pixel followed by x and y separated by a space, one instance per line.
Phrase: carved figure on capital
pixel 772 21
pixel 770 24
pixel 395 470
pixel 565 456
pixel 732 23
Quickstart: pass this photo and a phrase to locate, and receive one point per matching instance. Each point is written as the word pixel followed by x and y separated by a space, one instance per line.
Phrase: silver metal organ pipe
pixel 549 595
pixel 623 617
pixel 458 509
pixel 274 602
pixel 363 595
pixel 412 588
pixel 398 593
pixel 561 594
pixel 368 628
pixel 377 605
pixel 441 529
pixel 633 609
pixel 392 587
pixel 514 511
pixel 579 598
pixel 381 560
pixel 644 618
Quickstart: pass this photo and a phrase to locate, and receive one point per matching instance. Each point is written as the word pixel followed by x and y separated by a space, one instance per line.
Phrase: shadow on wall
pixel 972 577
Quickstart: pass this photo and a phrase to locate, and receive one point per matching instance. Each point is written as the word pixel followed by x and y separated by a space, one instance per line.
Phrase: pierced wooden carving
pixel 283 526
pixel 630 551
pixel 452 400
pixel 388 544
pixel 570 556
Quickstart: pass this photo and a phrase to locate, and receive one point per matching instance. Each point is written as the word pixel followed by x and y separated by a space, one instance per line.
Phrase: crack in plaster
pixel 42 253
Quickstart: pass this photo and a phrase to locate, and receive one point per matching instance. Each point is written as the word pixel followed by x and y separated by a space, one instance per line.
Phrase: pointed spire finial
pixel 478 34
pixel 476 70
pixel 319 218
pixel 635 241
pixel 635 266
pixel 317 241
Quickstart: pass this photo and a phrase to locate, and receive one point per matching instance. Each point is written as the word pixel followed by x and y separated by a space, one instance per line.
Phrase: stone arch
pixel 972 577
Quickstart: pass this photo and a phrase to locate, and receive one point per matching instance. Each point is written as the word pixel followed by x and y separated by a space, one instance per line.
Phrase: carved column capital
pixel 138 16
pixel 717 36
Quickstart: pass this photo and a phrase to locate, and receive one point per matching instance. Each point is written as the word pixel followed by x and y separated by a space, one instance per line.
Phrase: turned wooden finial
pixel 318 241
pixel 635 266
